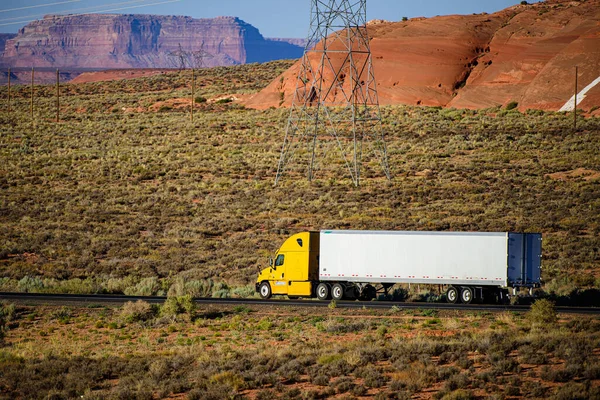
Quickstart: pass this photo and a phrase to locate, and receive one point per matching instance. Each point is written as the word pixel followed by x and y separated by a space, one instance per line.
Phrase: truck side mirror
pixel 270 262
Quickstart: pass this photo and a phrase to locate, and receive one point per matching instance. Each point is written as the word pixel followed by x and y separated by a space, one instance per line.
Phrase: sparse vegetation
pixel 143 203
pixel 133 351
pixel 122 198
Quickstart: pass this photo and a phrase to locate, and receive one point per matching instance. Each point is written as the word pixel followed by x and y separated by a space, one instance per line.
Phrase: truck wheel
pixel 337 292
pixel 452 295
pixel 369 293
pixel 323 291
pixel 265 290
pixel 466 295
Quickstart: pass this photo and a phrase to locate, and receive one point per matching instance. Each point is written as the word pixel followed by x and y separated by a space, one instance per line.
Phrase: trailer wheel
pixel 323 291
pixel 452 295
pixel 265 290
pixel 466 295
pixel 369 293
pixel 337 292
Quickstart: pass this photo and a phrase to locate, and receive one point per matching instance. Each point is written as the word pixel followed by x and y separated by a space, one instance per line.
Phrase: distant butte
pixel 101 41
pixel 526 53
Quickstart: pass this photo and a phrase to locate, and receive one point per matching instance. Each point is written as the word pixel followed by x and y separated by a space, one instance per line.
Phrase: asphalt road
pixel 120 299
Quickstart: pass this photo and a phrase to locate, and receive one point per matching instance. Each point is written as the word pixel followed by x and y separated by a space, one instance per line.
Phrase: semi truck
pixel 348 264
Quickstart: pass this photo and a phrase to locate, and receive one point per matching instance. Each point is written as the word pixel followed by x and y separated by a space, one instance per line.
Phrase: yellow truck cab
pixel 293 270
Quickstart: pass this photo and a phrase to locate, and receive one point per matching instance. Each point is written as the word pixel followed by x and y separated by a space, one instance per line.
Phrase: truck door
pixel 280 283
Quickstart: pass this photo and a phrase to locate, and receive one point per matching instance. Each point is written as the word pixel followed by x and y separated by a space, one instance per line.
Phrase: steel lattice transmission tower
pixel 335 104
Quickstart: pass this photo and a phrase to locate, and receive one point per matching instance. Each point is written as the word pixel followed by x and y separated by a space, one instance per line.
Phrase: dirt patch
pixel 579 173
pixel 117 74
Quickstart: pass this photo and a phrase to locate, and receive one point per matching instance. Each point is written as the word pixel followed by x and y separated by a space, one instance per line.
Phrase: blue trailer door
pixel 524 259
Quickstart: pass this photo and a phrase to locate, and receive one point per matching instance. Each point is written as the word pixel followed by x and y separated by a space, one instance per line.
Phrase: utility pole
pixel 31 106
pixel 575 108
pixel 57 96
pixel 192 108
pixel 9 90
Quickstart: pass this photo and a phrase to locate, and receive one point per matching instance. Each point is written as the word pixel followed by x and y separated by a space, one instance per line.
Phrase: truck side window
pixel 279 260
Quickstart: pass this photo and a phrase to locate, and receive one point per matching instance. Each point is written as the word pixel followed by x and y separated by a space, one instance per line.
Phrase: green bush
pixel 512 105
pixel 146 287
pixel 137 311
pixel 178 305
pixel 542 312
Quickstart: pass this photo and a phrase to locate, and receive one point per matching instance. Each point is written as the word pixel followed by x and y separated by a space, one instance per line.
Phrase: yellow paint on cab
pixel 295 266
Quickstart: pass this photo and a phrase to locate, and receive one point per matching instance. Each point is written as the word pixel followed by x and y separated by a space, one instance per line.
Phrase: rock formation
pixel 3 38
pixel 526 53
pixel 139 41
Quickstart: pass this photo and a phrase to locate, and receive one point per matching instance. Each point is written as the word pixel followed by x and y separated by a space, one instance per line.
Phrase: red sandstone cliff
pixel 526 53
pixel 139 41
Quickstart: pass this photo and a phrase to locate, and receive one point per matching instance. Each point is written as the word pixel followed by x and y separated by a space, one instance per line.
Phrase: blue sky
pixel 274 18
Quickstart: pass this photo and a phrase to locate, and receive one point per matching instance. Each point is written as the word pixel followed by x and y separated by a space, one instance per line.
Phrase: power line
pixel 40 5
pixel 100 11
pixel 76 10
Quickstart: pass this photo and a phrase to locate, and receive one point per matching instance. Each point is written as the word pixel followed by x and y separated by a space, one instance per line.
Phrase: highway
pixel 43 298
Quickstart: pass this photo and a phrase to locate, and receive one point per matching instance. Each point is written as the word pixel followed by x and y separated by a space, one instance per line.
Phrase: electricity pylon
pixel 335 104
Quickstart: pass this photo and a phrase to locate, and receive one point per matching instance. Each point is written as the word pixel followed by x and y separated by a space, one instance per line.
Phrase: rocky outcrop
pixel 140 41
pixel 3 38
pixel 526 53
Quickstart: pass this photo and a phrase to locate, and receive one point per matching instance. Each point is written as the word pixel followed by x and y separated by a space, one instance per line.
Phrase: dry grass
pixel 253 352
pixel 111 200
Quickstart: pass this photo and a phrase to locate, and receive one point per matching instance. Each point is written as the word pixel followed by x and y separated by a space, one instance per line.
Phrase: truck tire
pixel 323 291
pixel 369 293
pixel 466 295
pixel 452 295
pixel 337 292
pixel 265 290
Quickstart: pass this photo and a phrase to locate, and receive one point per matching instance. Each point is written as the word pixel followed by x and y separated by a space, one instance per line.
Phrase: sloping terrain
pixel 526 53
pixel 126 187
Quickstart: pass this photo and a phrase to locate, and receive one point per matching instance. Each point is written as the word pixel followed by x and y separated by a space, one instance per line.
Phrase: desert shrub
pixel 530 355
pixel 359 390
pixel 373 378
pixel 29 284
pixel 320 380
pixel 63 314
pixel 556 375
pixel 145 287
pixel 200 99
pixel 534 389
pixel 7 311
pixel 542 312
pixel 290 371
pixel 459 394
pixel 228 378
pixel 333 326
pixel 576 391
pixel 178 305
pixel 344 384
pixel 137 311
pixel 244 291
pixel 512 105
pixel 194 288
pixel 221 291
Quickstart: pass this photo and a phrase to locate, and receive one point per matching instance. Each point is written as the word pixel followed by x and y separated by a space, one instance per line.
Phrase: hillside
pixel 104 41
pixel 126 187
pixel 526 53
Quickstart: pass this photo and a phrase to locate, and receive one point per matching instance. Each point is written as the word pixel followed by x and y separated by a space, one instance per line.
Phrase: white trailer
pixel 355 264
pixel 471 264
